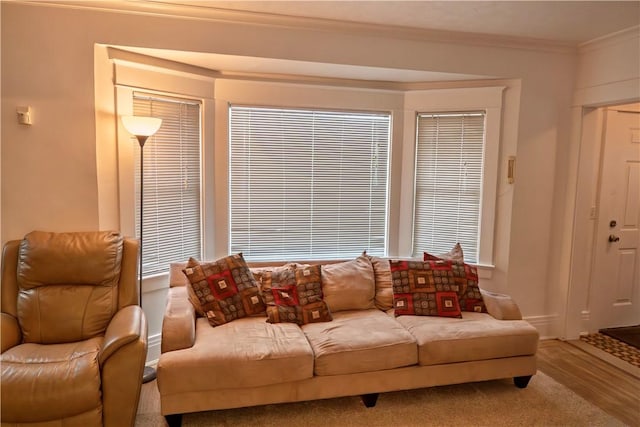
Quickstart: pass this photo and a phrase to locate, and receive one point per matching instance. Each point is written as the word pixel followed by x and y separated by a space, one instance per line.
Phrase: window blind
pixel 307 184
pixel 171 211
pixel 449 163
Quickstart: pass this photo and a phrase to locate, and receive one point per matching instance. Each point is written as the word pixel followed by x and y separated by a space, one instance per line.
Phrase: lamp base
pixel 149 374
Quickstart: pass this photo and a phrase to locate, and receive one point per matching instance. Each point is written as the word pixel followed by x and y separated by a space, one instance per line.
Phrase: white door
pixel 615 297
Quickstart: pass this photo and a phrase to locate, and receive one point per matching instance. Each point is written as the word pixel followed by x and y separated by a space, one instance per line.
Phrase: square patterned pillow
pixel 426 288
pixel 293 293
pixel 466 276
pixel 224 290
pixel 284 274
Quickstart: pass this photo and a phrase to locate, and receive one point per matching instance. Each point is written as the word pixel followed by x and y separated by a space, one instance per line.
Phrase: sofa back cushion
pixel 67 285
pixel 349 285
pixel 384 285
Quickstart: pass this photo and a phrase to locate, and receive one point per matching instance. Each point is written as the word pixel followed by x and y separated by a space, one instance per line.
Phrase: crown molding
pixel 610 39
pixel 201 12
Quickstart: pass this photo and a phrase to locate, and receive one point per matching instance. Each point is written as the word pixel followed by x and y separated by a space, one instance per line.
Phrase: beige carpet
pixel 494 403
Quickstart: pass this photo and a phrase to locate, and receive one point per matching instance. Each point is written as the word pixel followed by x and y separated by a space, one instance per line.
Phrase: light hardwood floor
pixel 611 389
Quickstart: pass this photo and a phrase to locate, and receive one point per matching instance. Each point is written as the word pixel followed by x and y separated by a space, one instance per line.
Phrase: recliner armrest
pixel 9 332
pixel 179 322
pixel 126 326
pixel 501 306
pixel 122 359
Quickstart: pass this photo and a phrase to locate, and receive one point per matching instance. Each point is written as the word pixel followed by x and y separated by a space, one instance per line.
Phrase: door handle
pixel 613 238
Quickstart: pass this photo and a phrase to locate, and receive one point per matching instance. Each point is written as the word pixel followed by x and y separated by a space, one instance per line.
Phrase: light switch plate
pixel 24 115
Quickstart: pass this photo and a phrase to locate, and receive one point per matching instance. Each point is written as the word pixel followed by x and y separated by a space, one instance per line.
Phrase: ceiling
pixel 549 24
pixel 571 22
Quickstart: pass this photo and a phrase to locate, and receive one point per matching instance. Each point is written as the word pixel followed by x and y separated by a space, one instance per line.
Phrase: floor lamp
pixel 142 128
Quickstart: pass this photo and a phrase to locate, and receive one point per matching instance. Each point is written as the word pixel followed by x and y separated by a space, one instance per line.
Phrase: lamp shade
pixel 141 126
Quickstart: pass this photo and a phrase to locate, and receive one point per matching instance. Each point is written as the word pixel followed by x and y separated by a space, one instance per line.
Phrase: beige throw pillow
pixel 455 254
pixel 349 285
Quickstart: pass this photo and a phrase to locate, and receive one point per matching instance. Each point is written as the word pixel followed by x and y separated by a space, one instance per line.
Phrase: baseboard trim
pixel 546 325
pixel 153 349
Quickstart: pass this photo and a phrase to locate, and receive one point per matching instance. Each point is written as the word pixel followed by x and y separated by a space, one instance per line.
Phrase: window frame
pixel 417 184
pixel 293 96
pixel 487 99
pixel 146 96
pixel 130 78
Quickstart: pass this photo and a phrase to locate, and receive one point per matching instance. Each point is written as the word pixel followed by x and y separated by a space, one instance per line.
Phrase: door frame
pixel 603 312
pixel 581 218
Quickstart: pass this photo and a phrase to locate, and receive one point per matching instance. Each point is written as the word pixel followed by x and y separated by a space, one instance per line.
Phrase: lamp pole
pixel 141 140
pixel 149 373
pixel 142 128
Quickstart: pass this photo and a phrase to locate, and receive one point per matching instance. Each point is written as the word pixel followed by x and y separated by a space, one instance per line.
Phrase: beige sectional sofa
pixel 364 350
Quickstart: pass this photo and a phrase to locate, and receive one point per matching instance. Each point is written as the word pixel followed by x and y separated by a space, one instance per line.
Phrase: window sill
pixel 155 282
pixel 485 271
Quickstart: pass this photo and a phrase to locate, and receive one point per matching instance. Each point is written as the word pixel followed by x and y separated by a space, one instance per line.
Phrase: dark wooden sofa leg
pixel 369 400
pixel 521 382
pixel 174 420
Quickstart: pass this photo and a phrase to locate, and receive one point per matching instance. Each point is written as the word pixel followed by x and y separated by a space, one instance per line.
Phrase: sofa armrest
pixel 9 332
pixel 128 325
pixel 176 276
pixel 179 322
pixel 501 306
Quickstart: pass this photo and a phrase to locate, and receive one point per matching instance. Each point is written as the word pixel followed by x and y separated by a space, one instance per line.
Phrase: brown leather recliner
pixel 74 340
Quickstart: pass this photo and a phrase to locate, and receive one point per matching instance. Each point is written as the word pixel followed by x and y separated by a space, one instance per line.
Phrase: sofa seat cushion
pixel 247 352
pixel 61 380
pixel 477 336
pixel 360 341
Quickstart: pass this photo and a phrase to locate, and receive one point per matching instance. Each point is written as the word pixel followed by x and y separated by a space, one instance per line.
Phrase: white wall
pixel 50 173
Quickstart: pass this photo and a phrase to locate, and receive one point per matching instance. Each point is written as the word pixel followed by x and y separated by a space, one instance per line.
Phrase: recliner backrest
pixel 67 284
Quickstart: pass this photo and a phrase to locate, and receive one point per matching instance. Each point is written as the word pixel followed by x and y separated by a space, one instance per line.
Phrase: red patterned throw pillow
pixel 466 277
pixel 223 290
pixel 293 293
pixel 424 288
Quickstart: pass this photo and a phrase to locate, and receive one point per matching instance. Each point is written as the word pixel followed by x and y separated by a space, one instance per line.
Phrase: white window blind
pixel 307 184
pixel 449 165
pixel 171 205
